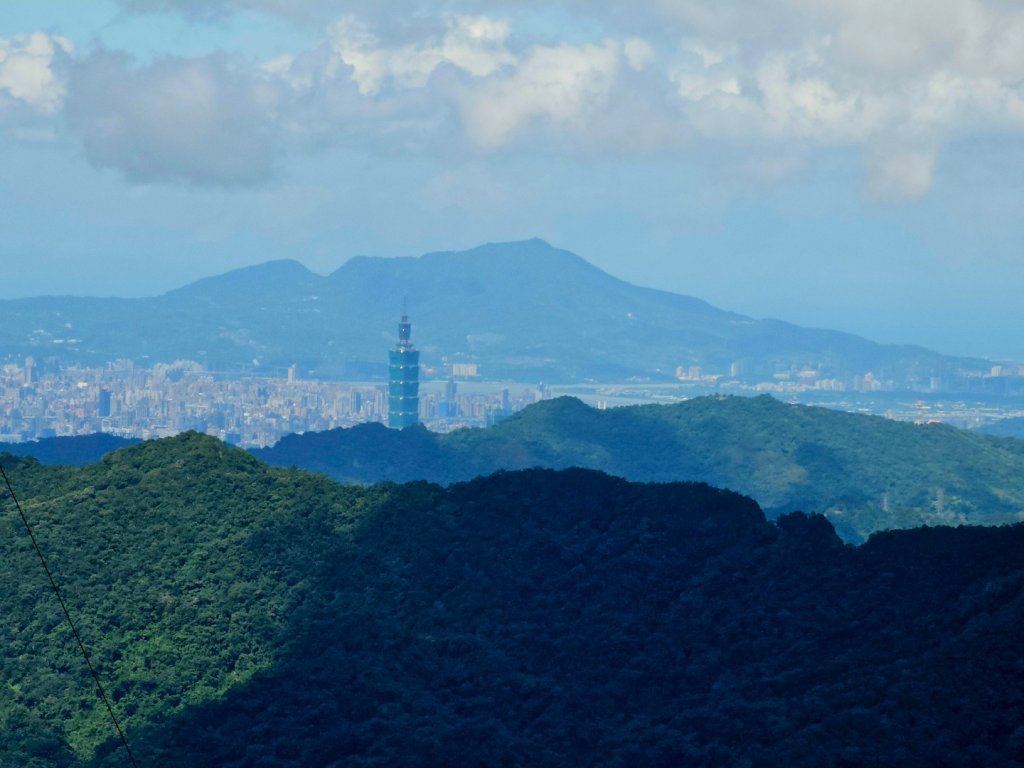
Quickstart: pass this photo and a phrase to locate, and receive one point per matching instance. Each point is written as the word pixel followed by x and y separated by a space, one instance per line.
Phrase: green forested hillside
pixel 243 615
pixel 158 549
pixel 865 473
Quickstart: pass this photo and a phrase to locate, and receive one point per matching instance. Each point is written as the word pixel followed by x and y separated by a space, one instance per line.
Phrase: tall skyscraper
pixel 404 379
pixel 103 406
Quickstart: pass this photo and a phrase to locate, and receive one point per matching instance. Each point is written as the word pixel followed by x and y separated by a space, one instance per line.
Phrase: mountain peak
pixel 520 251
pixel 278 274
pixel 522 309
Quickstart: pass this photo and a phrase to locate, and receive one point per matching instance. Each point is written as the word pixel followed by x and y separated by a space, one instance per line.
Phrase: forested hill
pixel 865 473
pixel 243 615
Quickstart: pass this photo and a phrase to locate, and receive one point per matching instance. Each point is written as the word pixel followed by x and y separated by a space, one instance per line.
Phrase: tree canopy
pixel 865 473
pixel 245 615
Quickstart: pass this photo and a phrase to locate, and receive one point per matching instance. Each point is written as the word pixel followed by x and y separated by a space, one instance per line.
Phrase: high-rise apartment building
pixel 103 403
pixel 404 379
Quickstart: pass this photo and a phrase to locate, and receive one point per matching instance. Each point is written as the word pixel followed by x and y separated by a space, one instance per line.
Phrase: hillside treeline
pixel 865 473
pixel 244 615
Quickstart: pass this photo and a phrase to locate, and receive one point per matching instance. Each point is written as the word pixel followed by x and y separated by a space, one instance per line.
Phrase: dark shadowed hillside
pixel 522 309
pixel 77 450
pixel 249 616
pixel 865 473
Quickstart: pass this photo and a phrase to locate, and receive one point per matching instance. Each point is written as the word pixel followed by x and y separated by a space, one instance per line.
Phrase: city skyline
pixel 854 167
pixel 130 401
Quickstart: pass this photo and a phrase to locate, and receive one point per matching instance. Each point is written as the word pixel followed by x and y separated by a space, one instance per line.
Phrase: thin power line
pixel 74 629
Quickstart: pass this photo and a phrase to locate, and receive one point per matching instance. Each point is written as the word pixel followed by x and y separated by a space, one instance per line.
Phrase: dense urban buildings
pixel 42 398
pixel 129 401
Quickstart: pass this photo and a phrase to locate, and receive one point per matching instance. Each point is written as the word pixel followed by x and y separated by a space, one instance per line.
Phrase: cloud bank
pixel 209 120
pixel 897 81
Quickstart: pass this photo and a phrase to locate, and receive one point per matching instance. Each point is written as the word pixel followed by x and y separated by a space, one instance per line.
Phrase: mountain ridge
pixel 865 473
pixel 523 310
pixel 242 615
pixel 290 270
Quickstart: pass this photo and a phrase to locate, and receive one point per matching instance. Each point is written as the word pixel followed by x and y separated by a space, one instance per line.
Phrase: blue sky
pixel 848 165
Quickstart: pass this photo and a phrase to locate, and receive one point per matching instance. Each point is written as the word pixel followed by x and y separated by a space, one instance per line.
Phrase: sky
pixel 857 166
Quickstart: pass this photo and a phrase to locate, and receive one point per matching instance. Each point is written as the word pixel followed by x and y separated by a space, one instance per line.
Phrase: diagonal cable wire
pixel 67 615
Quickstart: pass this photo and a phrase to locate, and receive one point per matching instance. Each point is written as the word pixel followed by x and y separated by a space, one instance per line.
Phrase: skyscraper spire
pixel 403 377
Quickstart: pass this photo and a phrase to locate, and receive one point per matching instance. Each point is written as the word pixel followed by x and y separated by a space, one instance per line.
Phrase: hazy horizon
pixel 851 168
pixel 968 351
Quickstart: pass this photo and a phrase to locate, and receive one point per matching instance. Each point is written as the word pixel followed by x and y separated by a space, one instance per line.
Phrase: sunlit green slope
pixel 865 473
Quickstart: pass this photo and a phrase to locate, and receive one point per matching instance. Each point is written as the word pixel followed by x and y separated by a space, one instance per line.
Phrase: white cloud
pixel 208 121
pixel 696 86
pixel 897 80
pixel 900 172
pixel 27 70
pixel 474 44
pixel 217 10
pixel 709 56
pixel 563 84
pixel 806 105
pixel 639 53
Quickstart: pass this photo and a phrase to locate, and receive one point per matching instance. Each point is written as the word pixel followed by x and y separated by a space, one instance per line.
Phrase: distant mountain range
pixel 865 473
pixel 523 310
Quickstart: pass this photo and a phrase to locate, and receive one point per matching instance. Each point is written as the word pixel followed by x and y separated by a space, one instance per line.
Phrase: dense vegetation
pixel 865 473
pixel 244 615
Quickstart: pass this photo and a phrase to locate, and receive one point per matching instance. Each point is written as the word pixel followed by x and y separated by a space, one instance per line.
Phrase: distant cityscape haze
pixel 258 410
